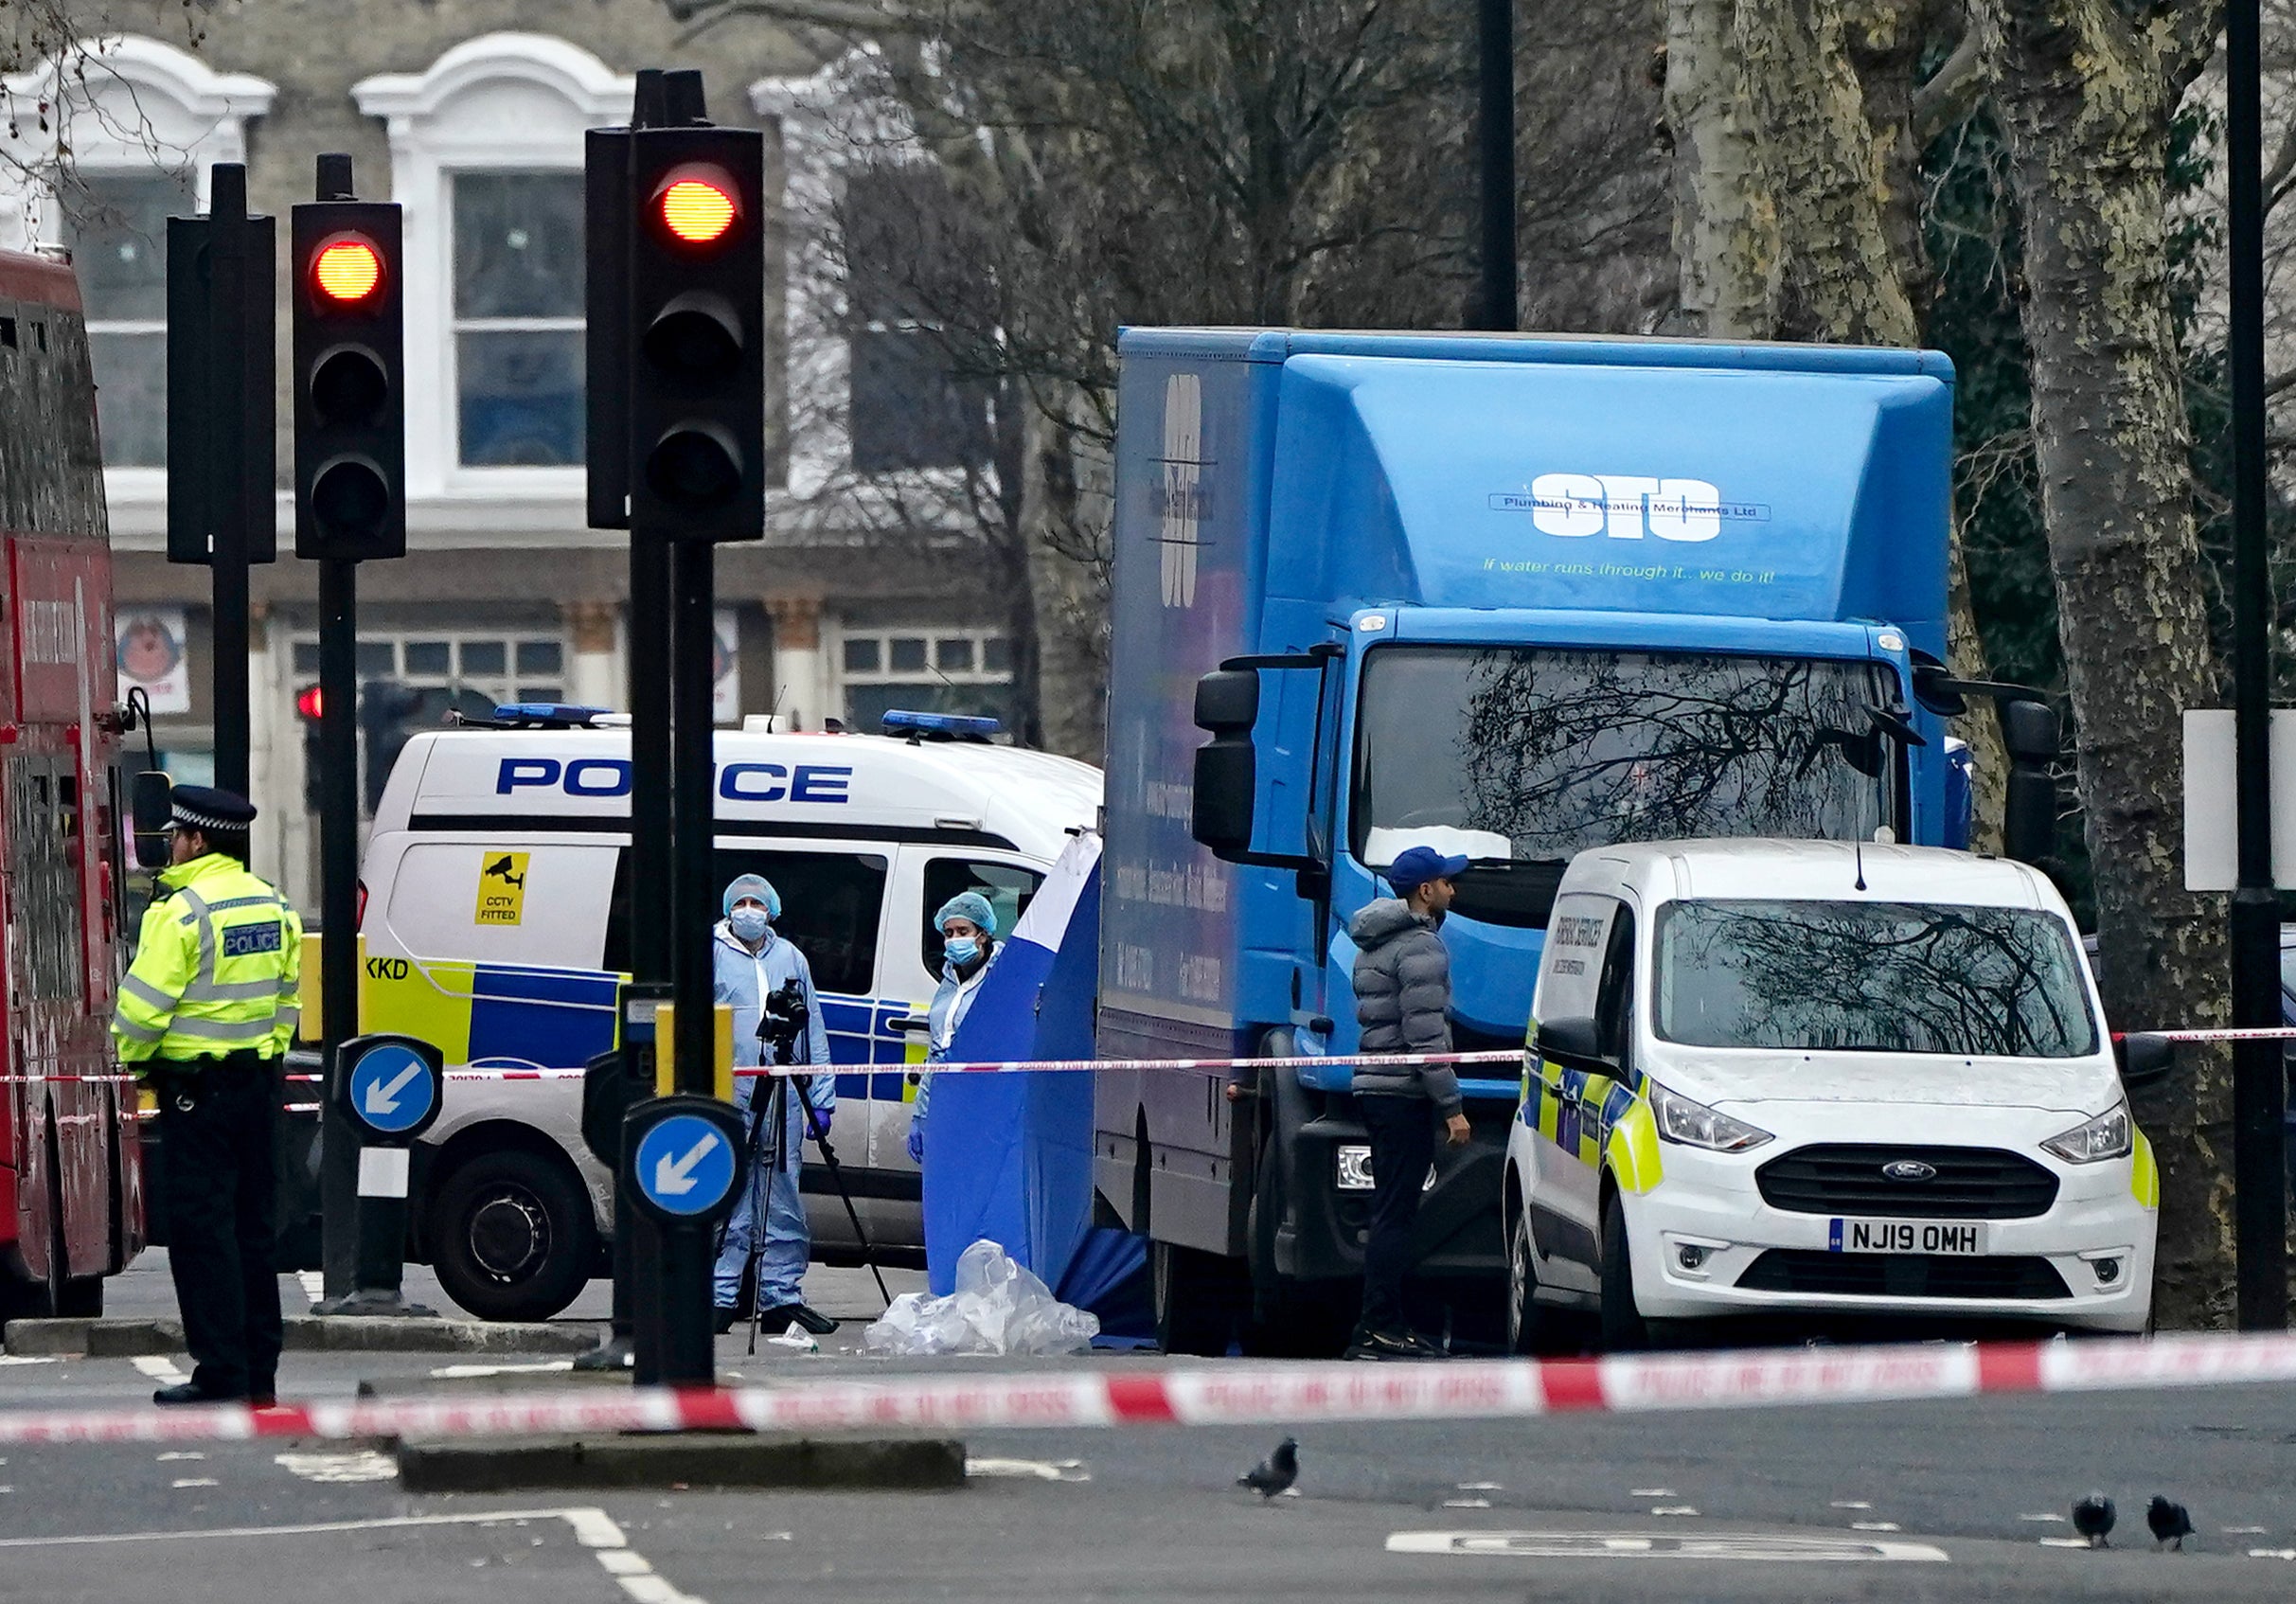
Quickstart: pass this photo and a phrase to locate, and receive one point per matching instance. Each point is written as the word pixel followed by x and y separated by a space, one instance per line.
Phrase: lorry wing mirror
pixel 2029 731
pixel 1227 778
pixel 1227 701
pixel 2145 1059
pixel 1570 1038
pixel 152 801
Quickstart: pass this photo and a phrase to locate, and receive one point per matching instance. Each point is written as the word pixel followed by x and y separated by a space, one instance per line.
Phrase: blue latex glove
pixel 916 1141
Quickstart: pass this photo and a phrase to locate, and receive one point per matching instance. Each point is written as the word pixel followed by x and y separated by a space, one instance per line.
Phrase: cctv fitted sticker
pixel 501 887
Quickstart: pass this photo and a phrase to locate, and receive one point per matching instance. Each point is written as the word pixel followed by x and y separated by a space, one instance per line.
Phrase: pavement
pixel 1962 1500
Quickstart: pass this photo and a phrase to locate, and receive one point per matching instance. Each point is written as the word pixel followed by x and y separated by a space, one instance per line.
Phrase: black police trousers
pixel 1402 1133
pixel 216 1124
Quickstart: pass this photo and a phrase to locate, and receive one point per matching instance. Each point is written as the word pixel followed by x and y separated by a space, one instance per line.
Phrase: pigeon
pixel 2092 1519
pixel 1276 1473
pixel 2171 1524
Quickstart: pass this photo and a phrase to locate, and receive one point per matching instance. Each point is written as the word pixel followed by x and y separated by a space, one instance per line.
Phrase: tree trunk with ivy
pixel 1799 210
pixel 2086 97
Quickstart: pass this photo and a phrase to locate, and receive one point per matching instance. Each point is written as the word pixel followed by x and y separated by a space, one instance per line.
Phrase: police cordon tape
pixel 1245 1395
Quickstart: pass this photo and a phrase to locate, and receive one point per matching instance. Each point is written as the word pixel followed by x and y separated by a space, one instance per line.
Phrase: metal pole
pixel 1495 131
pixel 338 915
pixel 2259 1088
pixel 650 758
pixel 227 376
pixel 693 899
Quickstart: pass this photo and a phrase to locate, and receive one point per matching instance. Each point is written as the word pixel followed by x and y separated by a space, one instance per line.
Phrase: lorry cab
pixel 495 896
pixel 1824 1080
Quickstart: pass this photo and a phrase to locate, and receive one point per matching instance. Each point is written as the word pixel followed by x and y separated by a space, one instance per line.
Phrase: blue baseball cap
pixel 1416 866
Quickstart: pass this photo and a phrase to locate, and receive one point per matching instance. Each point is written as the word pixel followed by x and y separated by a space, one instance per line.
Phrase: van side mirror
pixel 1569 1038
pixel 2145 1060
pixel 1227 779
pixel 152 801
pixel 2029 731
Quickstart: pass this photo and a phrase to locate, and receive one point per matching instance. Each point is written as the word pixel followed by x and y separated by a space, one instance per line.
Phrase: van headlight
pixel 1695 1124
pixel 2108 1135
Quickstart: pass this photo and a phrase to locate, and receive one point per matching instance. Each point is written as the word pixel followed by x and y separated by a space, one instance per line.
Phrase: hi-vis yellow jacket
pixel 217 969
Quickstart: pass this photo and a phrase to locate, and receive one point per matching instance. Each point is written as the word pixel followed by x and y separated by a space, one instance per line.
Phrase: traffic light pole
pixel 338 921
pixel 693 896
pixel 229 241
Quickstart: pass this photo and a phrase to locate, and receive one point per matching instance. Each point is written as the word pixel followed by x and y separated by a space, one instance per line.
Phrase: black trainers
pixel 782 1316
pixel 723 1318
pixel 1391 1345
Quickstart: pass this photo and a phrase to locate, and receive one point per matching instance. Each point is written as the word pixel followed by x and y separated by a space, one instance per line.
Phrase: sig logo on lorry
pixel 1627 507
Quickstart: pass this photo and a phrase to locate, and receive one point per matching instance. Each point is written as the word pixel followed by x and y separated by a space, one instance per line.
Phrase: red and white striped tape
pixel 1243 1395
pixel 2220 1033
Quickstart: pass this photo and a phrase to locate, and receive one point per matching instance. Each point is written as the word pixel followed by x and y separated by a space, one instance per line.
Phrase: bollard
pixel 388 1089
pixel 611 1083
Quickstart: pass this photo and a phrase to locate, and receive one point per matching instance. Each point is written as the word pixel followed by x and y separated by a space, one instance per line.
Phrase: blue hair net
pixel 752 886
pixel 967 905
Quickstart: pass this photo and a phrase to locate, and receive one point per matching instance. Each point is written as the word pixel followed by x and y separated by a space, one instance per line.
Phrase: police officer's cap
pixel 205 807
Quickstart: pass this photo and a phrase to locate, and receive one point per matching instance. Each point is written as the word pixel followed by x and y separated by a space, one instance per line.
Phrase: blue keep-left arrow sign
pixel 392 1088
pixel 685 1165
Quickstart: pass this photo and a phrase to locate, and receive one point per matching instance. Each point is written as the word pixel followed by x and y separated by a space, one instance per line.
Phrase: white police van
pixel 495 922
pixel 1824 1080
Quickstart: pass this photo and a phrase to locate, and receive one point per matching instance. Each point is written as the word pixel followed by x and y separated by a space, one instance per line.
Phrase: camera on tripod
pixel 782 1021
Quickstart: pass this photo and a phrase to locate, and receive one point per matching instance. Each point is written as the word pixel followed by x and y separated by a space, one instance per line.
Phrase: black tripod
pixel 782 1026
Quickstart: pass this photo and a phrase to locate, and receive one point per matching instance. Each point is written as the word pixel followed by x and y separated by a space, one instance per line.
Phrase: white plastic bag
pixel 998 1307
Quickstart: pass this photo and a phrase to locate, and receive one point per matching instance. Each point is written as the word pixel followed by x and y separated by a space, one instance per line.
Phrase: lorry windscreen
pixel 1891 977
pixel 1528 754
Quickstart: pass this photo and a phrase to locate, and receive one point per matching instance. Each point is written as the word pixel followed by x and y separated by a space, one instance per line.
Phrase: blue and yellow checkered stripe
pixel 514 1016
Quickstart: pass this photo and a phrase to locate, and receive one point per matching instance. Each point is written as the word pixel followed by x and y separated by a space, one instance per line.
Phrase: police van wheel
pixel 513 1237
pixel 1528 1328
pixel 1623 1327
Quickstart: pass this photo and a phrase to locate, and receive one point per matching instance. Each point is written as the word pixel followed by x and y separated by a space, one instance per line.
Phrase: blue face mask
pixel 961 950
pixel 749 923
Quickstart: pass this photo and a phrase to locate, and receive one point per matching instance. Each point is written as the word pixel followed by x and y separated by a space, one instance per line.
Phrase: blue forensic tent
pixel 1009 1157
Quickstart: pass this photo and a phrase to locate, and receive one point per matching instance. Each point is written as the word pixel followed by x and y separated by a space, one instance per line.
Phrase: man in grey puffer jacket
pixel 1402 1003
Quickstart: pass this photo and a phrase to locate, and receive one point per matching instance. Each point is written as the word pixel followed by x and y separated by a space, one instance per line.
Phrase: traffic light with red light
pixel 694 323
pixel 350 401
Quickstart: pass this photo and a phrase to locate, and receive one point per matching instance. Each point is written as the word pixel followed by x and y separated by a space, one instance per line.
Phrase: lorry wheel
pixel 1195 1298
pixel 1623 1328
pixel 513 1237
pixel 1527 1322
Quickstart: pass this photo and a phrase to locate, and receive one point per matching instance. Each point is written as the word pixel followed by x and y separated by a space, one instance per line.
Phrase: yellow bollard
pixel 664 1051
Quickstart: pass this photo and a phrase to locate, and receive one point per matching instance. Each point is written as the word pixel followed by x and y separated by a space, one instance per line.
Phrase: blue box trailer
pixel 1512 597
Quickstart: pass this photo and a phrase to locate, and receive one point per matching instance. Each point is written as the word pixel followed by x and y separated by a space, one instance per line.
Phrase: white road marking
pixel 194 1481
pixel 1874 1526
pixel 2055 1518
pixel 1849 1504
pixel 1030 1469
pixel 2228 1531
pixel 177 1455
pixel 1653 1492
pixel 1467 1504
pixel 366 1466
pixel 1480 1487
pixel 159 1367
pixel 2273 1553
pixel 1762 1546
pixel 1673 1509
pixel 2067 1543
pixel 461 1372
pixel 29 1358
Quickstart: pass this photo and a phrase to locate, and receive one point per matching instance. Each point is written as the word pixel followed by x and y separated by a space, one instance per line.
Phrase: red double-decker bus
pixel 71 1195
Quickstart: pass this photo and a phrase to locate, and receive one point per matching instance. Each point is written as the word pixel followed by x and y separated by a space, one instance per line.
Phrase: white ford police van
pixel 495 906
pixel 1816 1078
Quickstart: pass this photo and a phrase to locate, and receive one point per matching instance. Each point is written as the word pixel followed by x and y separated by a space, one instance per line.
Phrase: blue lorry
pixel 1511 596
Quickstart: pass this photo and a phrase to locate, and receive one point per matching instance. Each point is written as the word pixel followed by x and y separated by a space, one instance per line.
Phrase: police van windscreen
pixel 1528 754
pixel 1891 977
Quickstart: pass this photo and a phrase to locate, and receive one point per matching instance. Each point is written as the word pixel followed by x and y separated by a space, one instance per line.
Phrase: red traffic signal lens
pixel 696 205
pixel 348 271
pixel 307 701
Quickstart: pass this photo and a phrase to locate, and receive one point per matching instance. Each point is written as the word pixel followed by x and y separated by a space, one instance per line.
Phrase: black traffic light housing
pixel 349 371
pixel 223 318
pixel 695 329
